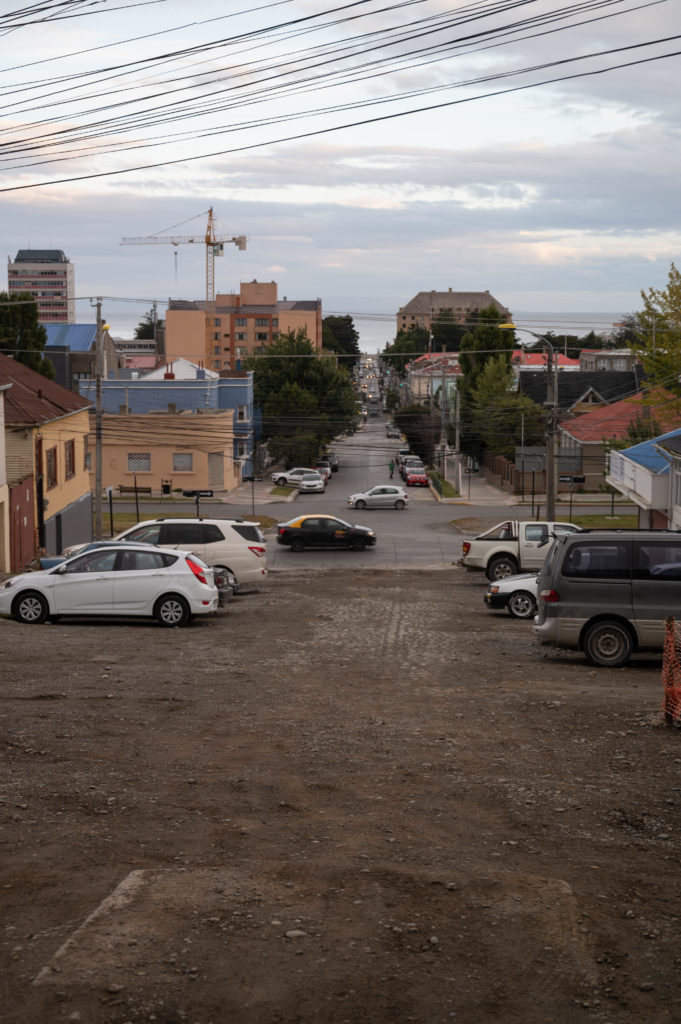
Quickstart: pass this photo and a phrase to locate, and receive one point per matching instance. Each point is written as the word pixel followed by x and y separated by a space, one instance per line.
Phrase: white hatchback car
pixel 312 482
pixel 381 496
pixel 120 579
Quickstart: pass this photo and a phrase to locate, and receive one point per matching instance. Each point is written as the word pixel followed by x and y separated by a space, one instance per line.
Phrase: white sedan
pixel 120 579
pixel 517 594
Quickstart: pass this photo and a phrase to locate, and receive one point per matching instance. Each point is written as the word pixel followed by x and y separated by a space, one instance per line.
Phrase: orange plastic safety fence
pixel 671 672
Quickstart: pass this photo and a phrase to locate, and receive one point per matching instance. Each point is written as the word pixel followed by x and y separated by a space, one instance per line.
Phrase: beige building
pixel 183 450
pixel 239 326
pixel 46 430
pixel 49 276
pixel 425 306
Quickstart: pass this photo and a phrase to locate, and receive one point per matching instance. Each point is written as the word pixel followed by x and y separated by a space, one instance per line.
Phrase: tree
pixel 407 346
pixel 21 336
pixel 484 342
pixel 306 400
pixel 339 335
pixel 659 333
pixel 148 325
pixel 448 332
pixel 499 419
pixel 421 429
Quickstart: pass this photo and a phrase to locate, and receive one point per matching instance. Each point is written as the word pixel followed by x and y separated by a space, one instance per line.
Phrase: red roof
pixel 33 398
pixel 614 420
pixel 525 358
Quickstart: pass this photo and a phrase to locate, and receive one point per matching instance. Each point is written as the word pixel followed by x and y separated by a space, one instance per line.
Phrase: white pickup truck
pixel 512 547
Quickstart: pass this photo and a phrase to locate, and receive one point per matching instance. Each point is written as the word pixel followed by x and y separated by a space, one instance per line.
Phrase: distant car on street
pixel 323 531
pixel 416 476
pixel 381 496
pixel 312 482
pixel 291 477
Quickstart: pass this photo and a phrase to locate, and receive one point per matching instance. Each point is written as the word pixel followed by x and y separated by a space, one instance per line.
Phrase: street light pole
pixel 551 418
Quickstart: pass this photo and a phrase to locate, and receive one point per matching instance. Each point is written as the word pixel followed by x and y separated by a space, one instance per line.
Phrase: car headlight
pixel 7 584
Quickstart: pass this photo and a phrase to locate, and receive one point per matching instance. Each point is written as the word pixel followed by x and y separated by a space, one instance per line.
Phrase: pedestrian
pixel 391 467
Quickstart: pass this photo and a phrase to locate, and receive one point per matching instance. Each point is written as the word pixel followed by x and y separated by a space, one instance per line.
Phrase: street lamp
pixel 552 418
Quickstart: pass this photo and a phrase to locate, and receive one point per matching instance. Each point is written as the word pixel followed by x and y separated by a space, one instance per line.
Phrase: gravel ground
pixel 354 797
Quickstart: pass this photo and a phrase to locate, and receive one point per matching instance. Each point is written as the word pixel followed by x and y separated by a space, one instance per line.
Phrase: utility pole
pixel 551 423
pixel 99 369
pixel 443 421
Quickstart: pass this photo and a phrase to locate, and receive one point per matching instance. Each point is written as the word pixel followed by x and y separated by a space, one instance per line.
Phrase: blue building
pixel 182 386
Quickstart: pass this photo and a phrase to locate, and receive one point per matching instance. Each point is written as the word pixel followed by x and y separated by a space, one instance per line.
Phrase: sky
pixel 367 150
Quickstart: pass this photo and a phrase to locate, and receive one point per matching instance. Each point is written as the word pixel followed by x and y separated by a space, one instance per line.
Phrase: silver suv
pixel 608 592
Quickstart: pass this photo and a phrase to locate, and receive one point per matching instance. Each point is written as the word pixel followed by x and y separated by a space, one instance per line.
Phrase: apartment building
pixel 49 277
pixel 238 326
pixel 426 306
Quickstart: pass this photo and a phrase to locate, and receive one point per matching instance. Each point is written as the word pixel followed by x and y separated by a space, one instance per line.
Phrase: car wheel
pixel 358 544
pixel 522 605
pixel 360 504
pixel 399 504
pixel 297 544
pixel 281 481
pixel 608 644
pixel 171 610
pixel 30 607
pixel 501 567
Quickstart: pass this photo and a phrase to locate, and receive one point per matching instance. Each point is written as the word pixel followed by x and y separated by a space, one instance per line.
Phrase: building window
pixel 183 462
pixel 262 321
pixel 241 412
pixel 241 449
pixel 261 336
pixel 275 321
pixel 216 363
pixel 216 350
pixel 216 336
pixel 51 467
pixel 240 321
pixel 139 462
pixel 70 459
pixel 217 321
pixel 240 336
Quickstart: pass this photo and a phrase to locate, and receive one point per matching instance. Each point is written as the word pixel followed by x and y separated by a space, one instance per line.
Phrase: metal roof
pixel 34 399
pixel 75 337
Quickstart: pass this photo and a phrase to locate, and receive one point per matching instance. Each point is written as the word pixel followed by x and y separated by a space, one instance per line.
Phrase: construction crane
pixel 215 246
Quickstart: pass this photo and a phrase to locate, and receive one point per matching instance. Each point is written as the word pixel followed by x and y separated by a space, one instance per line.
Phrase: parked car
pixel 233 547
pixel 608 593
pixel 333 461
pixel 290 477
pixel 119 579
pixel 410 462
pixel 312 481
pixel 381 496
pixel 512 546
pixel 416 476
pixel 517 594
pixel 323 466
pixel 392 432
pixel 323 531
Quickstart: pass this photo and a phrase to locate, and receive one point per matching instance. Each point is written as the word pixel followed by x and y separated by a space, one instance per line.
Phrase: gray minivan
pixel 608 592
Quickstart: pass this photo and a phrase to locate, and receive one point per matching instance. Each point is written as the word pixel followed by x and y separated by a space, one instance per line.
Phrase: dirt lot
pixel 352 797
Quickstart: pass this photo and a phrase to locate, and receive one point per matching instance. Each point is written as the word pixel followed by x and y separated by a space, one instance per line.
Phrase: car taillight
pixel 550 596
pixel 198 571
pixel 257 550
pixel 465 548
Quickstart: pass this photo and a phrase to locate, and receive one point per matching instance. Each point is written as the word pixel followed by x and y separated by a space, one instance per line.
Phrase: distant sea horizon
pixel 374 335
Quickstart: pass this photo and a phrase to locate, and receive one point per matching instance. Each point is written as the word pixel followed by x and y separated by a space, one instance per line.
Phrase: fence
pixel 671 672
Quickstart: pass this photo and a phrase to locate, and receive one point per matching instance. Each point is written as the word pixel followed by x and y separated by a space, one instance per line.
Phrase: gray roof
pixel 574 385
pixel 41 256
pixel 427 303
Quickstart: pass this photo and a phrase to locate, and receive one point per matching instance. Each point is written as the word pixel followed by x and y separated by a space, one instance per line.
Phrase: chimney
pixel 169 375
